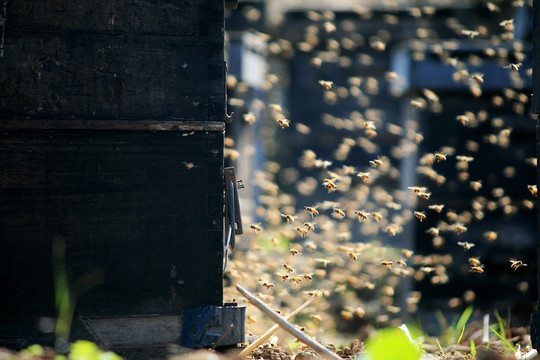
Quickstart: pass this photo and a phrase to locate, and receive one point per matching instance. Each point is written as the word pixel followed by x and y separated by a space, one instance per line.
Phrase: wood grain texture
pixel 144 209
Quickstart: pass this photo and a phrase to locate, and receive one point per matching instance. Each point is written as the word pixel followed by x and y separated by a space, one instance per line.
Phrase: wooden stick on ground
pixel 275 327
pixel 287 326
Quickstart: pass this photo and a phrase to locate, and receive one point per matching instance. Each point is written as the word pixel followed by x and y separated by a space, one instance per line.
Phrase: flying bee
pixel 474 261
pixel 364 175
pixel 256 227
pixel 407 253
pixel 466 245
pixel 479 78
pixel 312 211
pixel 459 228
pixel 310 226
pixel 352 255
pixel 308 276
pixel 470 33
pixel 533 189
pixel 268 285
pixel 424 195
pixel 329 184
pixel 303 232
pixel 476 185
pixel 294 252
pixel 515 264
pixel 284 123
pixel 427 269
pixel 324 262
pixel 513 67
pixel 433 231
pixel 339 212
pixel 417 189
pixel 401 262
pixel 490 235
pixel 463 119
pixel 437 208
pixel 440 157
pixel 283 277
pixel 290 218
pixel 288 267
pixel 326 84
pixel 387 263
pixel 295 279
pixel 362 215
pixel 377 216
pixel 376 163
pixel 316 317
pixel 420 215
pixel 477 269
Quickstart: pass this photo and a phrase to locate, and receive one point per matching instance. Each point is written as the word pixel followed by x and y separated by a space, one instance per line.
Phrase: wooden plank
pixel 115 17
pixel 111 77
pixel 146 125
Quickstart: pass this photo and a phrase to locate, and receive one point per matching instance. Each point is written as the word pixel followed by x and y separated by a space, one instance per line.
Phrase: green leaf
pixel 473 349
pixel 390 344
pixel 84 350
pixel 32 350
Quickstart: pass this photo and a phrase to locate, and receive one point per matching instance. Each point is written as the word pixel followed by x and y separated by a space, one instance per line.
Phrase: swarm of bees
pixel 365 194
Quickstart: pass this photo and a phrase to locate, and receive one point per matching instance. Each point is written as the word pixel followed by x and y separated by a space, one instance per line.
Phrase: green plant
pixel 452 334
pixel 503 338
pixel 392 343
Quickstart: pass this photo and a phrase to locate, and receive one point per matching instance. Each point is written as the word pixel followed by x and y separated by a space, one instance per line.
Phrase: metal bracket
pixel 233 217
pixel 209 326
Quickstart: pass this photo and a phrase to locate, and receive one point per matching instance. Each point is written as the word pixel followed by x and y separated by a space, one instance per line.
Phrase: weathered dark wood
pixel 70 60
pixel 114 125
pixel 144 209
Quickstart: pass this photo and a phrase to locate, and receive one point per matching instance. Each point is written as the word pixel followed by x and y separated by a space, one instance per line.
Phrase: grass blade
pixel 503 339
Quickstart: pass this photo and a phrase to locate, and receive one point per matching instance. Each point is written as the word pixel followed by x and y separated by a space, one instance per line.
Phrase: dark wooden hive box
pixel 111 143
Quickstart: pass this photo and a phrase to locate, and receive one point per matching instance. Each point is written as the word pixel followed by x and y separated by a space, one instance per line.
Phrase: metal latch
pixel 233 218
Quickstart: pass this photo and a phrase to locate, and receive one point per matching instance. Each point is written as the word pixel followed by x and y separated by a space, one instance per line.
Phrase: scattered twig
pixel 287 326
pixel 275 327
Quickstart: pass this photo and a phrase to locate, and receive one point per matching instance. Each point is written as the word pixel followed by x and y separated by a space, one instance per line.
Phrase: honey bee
pixel 533 189
pixel 339 212
pixel 362 215
pixel 417 189
pixel 316 317
pixel 513 67
pixel 308 276
pixel 420 215
pixel 312 211
pixel 303 232
pixel 459 228
pixel 377 216
pixel 268 285
pixel 324 262
pixel 310 226
pixel 288 267
pixel 470 33
pixel 424 195
pixel 466 245
pixel 476 185
pixel 387 263
pixel 474 261
pixel 376 163
pixel 330 185
pixel 464 120
pixel 401 262
pixel 283 277
pixel 477 269
pixel 352 255
pixel 294 252
pixel 490 235
pixel 275 242
pixel 479 78
pixel 295 279
pixel 427 269
pixel 290 218
pixel 363 175
pixel 437 208
pixel 256 227
pixel 507 24
pixel 249 118
pixel 407 253
pixel 440 157
pixel 326 84
pixel 284 123
pixel 433 231
pixel 515 264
